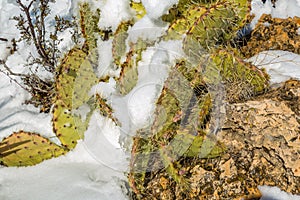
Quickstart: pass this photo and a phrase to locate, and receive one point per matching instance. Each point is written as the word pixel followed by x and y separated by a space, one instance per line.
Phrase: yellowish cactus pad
pixel 68 127
pixel 31 149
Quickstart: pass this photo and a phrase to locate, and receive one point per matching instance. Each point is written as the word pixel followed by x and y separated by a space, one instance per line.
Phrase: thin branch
pixel 36 41
pixel 4 39
pixel 11 73
pixel 9 70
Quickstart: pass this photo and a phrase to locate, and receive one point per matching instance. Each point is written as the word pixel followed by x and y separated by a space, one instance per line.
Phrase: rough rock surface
pixel 262 137
pixel 273 34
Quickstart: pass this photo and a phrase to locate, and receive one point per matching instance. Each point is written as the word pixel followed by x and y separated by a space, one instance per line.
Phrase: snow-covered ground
pixel 96 168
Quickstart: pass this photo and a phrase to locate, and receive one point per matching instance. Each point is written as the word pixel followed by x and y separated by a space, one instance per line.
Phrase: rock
pixel 262 137
pixel 273 34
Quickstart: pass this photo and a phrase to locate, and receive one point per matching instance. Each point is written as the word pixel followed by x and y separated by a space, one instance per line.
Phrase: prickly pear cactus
pixel 183 120
pixel 89 26
pixel 177 131
pixel 75 77
pixel 138 8
pixel 67 75
pixel 182 130
pixel 129 69
pixel 119 42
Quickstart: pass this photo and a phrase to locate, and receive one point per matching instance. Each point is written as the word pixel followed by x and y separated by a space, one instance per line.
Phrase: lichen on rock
pixel 273 34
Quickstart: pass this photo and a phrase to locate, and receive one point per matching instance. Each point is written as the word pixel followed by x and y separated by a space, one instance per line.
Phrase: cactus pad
pixel 209 24
pixel 105 109
pixel 86 78
pixel 29 149
pixel 119 42
pixel 75 77
pixel 89 26
pixel 68 127
pixel 67 74
pixel 242 80
pixel 129 69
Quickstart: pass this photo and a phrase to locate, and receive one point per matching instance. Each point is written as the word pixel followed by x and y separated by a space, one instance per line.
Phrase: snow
pixel 105 58
pixel 96 168
pixel 16 115
pixel 105 90
pixel 146 29
pixel 280 65
pixel 7 27
pixel 144 95
pixel 283 9
pixel 137 107
pixel 156 8
pixel 113 12
pixel 102 142
pixel 75 176
pixel 274 193
pixel 62 10
pixel 82 111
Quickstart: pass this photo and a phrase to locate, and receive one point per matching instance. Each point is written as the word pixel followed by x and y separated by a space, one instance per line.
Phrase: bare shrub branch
pixel 33 29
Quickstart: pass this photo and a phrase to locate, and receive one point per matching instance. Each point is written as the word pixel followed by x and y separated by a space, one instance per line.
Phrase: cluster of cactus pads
pixel 183 116
pixel 184 107
pixel 74 80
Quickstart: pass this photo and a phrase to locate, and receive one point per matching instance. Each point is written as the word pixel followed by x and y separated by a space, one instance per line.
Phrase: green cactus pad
pixel 209 24
pixel 180 9
pixel 28 149
pixel 74 81
pixel 75 77
pixel 243 8
pixel 85 80
pixel 242 80
pixel 68 71
pixel 105 109
pixel 119 42
pixel 129 69
pixel 192 73
pixel 177 130
pixel 89 25
pixel 7 149
pixel 68 127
